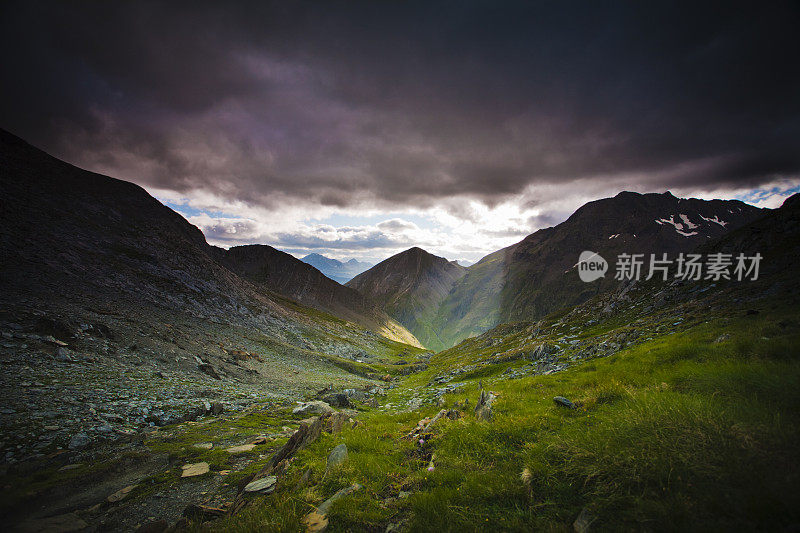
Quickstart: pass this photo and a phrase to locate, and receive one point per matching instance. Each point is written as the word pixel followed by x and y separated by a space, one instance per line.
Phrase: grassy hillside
pixel 688 420
pixel 410 287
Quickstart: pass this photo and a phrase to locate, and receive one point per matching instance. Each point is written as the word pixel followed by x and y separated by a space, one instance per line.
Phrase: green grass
pixel 678 432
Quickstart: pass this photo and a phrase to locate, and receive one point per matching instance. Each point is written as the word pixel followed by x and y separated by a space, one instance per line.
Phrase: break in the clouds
pixel 461 126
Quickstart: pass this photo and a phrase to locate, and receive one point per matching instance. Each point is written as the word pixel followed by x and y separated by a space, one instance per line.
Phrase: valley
pixel 152 382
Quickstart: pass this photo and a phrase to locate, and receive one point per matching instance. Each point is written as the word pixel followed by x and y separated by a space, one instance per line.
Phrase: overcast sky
pixel 361 129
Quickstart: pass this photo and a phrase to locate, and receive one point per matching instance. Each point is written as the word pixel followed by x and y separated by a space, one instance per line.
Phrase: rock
pixel 216 408
pixel 311 408
pixel 337 456
pixel 63 523
pixel 209 370
pixel 53 340
pixel 308 433
pixel 63 355
pixel 241 449
pixel 483 409
pixel 337 400
pixel 265 485
pixel 583 521
pixel 560 400
pixel 203 446
pixel 121 494
pixel 722 338
pixel 78 441
pixel 335 422
pixel 317 521
pixel 195 469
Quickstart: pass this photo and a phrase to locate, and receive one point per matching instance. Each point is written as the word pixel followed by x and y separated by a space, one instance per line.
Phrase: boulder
pixel 195 469
pixel 209 370
pixel 241 449
pixel 313 408
pixel 337 400
pixel 483 410
pixel 337 456
pixel 265 485
pixel 335 422
pixel 560 400
pixel 317 521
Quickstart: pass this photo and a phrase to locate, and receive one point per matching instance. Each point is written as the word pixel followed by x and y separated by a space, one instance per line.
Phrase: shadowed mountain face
pixel 410 286
pixel 541 273
pixel 538 275
pixel 282 273
pixel 336 270
pixel 80 249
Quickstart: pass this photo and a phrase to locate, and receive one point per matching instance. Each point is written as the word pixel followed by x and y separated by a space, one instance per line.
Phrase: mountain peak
pixel 408 285
pixel 416 250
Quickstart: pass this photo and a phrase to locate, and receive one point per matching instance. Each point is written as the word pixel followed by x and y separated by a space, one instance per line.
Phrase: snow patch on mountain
pixel 689 223
pixel 714 219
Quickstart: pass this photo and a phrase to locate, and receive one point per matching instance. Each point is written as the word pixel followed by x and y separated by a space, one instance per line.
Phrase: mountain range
pixel 120 244
pixel 335 269
pixel 443 303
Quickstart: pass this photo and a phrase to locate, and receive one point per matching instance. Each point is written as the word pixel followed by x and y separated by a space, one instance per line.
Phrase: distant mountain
pixel 336 270
pixel 538 275
pixel 280 272
pixel 410 286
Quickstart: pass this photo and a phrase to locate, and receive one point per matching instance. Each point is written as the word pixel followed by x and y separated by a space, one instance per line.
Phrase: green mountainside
pixel 538 275
pixel 410 287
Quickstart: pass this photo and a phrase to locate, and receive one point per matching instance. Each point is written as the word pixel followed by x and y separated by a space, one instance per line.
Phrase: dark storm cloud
pixel 406 102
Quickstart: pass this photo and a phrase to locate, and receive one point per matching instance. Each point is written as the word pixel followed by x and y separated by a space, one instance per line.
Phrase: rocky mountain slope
pixel 284 274
pixel 335 269
pixel 115 316
pixel 410 286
